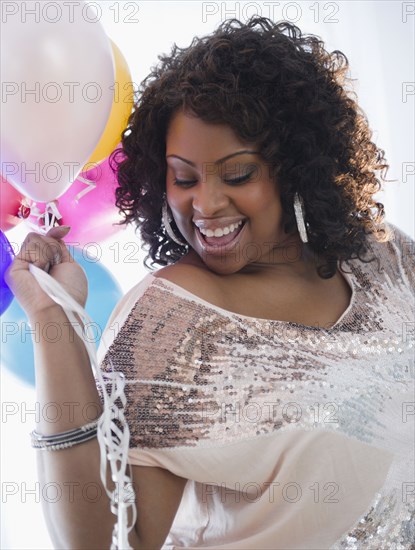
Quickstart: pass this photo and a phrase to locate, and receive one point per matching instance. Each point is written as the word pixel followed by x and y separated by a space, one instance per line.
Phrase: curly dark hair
pixel 279 88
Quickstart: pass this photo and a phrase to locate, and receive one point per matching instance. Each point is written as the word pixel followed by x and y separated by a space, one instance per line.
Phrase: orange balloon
pixel 120 111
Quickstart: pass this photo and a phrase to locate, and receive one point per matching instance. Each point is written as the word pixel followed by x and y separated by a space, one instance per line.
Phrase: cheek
pixel 180 204
pixel 170 187
pixel 178 198
pixel 263 197
pixel 174 195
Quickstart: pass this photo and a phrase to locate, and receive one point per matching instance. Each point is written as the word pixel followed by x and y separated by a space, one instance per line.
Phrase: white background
pixel 377 38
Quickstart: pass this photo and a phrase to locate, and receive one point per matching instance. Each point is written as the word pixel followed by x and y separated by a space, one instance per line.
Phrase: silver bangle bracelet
pixel 42 446
pixel 66 439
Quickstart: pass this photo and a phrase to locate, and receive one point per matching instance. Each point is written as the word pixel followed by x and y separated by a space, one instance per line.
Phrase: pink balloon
pixel 9 205
pixel 91 215
pixel 58 78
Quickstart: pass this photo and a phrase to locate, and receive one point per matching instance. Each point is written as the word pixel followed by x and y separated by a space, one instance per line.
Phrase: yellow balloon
pixel 120 111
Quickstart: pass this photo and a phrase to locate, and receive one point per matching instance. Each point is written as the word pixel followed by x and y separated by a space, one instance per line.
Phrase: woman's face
pixel 217 183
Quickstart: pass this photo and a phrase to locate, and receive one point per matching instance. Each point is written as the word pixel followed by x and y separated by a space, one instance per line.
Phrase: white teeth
pixel 219 232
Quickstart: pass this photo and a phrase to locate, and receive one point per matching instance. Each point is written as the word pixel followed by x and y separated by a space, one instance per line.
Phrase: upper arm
pixel 404 247
pixel 119 315
pixel 158 491
pixel 158 496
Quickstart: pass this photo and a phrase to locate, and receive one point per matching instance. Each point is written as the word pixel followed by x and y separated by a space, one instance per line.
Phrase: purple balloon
pixel 6 258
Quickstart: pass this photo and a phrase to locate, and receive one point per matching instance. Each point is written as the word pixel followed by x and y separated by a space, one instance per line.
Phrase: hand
pixel 49 253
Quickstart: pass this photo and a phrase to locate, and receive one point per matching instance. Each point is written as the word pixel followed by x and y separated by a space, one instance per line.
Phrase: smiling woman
pixel 279 93
pixel 251 174
pixel 238 229
pixel 209 200
pixel 266 361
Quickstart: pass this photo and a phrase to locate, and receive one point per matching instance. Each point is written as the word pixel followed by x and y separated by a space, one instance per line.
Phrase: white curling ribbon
pixel 50 208
pixel 113 441
pixel 90 186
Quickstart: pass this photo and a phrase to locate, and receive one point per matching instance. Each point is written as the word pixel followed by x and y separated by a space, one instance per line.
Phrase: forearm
pixel 75 504
pixel 65 385
pixel 81 516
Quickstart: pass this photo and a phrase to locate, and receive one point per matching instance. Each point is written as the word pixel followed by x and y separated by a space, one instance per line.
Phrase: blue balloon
pixel 6 258
pixel 17 334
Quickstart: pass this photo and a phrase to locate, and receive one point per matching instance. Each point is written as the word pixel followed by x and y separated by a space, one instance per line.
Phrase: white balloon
pixel 57 85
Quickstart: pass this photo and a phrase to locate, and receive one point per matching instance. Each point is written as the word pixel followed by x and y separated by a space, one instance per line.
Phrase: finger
pixel 58 232
pixel 40 251
pixel 61 252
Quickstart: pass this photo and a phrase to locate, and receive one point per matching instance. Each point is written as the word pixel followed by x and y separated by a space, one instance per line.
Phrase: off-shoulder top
pixel 290 436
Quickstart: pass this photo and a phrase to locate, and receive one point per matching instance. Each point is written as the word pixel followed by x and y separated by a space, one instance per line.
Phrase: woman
pixel 268 361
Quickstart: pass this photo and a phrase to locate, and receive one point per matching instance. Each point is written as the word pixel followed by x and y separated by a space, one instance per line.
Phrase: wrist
pixel 54 316
pixel 54 312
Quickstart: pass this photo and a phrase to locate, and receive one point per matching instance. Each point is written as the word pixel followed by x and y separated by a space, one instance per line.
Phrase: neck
pixel 291 256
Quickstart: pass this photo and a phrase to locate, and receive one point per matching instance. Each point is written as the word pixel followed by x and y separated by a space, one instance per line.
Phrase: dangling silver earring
pixel 166 219
pixel 299 216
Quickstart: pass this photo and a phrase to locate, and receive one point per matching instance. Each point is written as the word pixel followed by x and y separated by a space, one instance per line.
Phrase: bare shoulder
pixel 191 275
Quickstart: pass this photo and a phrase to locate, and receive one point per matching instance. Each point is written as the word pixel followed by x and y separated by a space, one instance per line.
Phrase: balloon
pixel 9 205
pixel 17 346
pixel 120 111
pixel 57 89
pixel 17 334
pixel 6 257
pixel 92 215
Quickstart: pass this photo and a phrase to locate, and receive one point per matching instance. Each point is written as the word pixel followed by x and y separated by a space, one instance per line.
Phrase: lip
pixel 221 249
pixel 216 223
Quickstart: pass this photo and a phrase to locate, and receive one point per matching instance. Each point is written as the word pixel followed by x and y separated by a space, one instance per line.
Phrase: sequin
pixel 227 380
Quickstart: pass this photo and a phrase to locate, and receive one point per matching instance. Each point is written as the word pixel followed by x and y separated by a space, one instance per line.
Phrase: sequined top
pixel 290 436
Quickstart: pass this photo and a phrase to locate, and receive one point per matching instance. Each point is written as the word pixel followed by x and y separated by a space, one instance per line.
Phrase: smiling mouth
pixel 223 240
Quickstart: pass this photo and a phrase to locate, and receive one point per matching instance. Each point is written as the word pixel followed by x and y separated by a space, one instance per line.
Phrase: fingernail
pixel 62 228
pixel 58 232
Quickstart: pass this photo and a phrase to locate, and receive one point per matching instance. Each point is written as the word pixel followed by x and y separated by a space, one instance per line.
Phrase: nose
pixel 209 198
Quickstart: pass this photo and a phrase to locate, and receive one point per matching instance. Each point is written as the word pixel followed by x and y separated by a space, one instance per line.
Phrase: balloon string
pixel 90 186
pixel 113 439
pixel 43 220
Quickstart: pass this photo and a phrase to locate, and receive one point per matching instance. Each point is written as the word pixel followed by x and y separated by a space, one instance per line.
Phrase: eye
pixel 184 183
pixel 241 179
pixel 234 181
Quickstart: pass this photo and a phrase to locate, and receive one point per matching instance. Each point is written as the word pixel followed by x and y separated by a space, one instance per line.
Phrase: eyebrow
pixel 245 151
